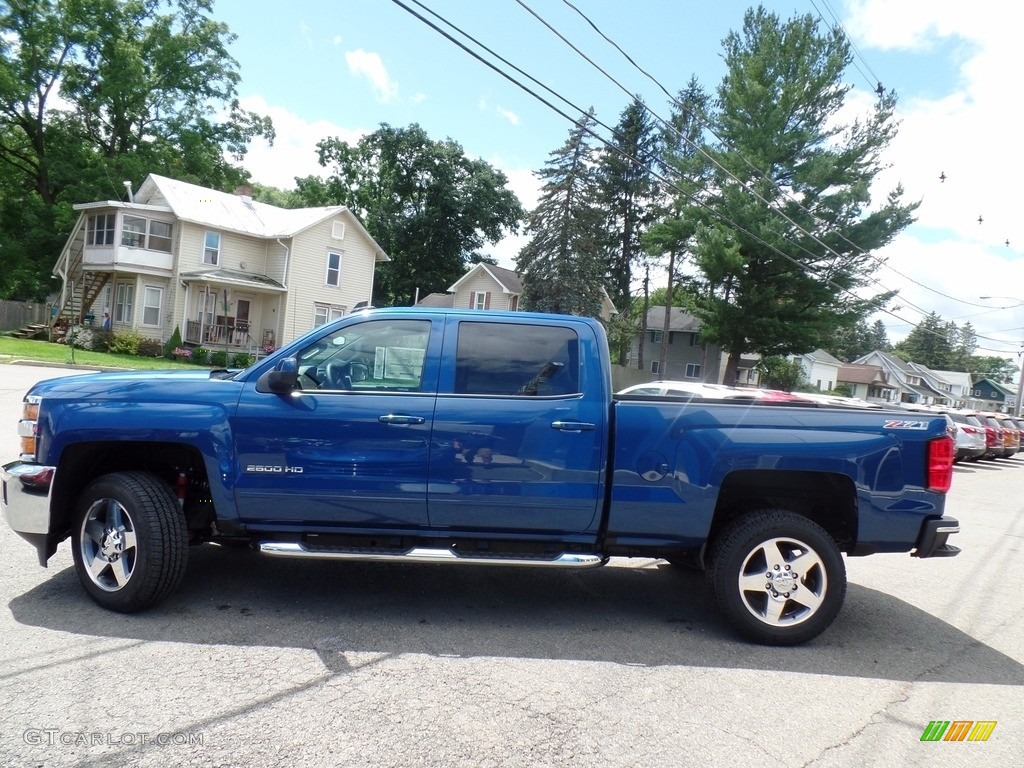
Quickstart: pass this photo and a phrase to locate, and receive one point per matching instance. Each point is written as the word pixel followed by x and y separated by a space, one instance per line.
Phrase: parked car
pixel 1011 434
pixel 996 443
pixel 696 390
pixel 969 435
pixel 690 389
pixel 838 401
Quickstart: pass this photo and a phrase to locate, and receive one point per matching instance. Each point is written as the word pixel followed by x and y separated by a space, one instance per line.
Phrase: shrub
pixel 80 337
pixel 101 340
pixel 126 342
pixel 181 353
pixel 200 356
pixel 173 344
pixel 151 348
pixel 219 359
pixel 242 360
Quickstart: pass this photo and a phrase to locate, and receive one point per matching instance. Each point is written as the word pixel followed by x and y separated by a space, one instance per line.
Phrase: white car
pixel 690 389
pixel 696 390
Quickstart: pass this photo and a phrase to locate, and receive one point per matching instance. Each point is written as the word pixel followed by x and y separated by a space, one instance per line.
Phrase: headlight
pixel 28 427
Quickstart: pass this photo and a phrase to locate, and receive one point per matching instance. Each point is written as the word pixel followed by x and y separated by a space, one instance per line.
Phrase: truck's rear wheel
pixel 130 541
pixel 778 577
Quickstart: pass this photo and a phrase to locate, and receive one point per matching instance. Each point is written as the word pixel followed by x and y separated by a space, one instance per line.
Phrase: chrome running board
pixel 427 555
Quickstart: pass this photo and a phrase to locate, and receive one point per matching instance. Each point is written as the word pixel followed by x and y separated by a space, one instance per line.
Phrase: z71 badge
pixel 903 424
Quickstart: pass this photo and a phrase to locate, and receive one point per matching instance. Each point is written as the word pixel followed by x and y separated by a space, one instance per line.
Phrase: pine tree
pixel 563 264
pixel 782 284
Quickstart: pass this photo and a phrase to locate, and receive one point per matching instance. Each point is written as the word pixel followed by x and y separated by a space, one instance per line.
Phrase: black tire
pixel 778 577
pixel 129 541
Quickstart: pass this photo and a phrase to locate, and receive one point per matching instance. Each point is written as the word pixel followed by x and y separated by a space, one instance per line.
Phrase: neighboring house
pixel 687 358
pixel 228 271
pixel 868 382
pixel 961 384
pixel 820 368
pixel 484 286
pixel 989 395
pixel 911 385
pixel 489 287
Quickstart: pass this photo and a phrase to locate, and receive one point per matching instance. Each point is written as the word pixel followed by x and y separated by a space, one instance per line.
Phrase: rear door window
pixel 516 360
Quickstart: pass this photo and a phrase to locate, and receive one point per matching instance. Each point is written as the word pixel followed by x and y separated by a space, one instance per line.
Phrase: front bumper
pixel 25 499
pixel 932 540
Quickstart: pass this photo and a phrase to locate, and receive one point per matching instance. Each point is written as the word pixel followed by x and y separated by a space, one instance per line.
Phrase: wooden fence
pixel 17 314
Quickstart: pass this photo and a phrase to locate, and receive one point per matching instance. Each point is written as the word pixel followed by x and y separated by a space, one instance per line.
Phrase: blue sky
pixel 342 68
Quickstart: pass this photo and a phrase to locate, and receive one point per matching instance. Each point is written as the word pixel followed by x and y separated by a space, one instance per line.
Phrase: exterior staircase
pixel 31 331
pixel 81 289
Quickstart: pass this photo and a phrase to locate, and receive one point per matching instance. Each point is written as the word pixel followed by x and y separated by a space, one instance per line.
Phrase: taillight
pixel 940 464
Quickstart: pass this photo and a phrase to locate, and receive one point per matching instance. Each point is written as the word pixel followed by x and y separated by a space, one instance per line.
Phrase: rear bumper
pixel 932 540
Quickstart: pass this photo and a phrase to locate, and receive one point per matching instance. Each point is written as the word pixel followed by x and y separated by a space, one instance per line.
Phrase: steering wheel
pixel 338 376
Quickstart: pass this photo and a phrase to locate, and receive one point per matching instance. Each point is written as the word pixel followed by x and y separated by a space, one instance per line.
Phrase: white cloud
pixel 418 98
pixel 968 135
pixel 526 186
pixel 509 115
pixel 294 150
pixel 369 65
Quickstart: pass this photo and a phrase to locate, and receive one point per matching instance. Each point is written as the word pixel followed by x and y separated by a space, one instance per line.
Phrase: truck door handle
pixel 400 418
pixel 573 426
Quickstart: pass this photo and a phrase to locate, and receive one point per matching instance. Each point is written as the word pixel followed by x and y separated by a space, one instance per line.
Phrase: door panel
pixel 348 449
pixel 515 446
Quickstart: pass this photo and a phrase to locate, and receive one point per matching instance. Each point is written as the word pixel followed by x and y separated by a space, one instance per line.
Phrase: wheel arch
pixel 81 463
pixel 827 498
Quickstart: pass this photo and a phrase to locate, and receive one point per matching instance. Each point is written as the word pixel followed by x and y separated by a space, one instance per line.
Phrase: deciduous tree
pixel 429 206
pixel 93 92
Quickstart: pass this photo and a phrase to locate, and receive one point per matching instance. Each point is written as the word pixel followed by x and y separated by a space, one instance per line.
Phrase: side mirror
pixel 282 378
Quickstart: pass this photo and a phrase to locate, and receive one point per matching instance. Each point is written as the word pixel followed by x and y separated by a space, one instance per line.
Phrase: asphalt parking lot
pixel 264 662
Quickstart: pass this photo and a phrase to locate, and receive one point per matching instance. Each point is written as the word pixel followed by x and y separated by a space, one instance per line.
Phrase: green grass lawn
pixel 45 352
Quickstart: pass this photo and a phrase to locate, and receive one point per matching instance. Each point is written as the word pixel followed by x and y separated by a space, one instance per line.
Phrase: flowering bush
pixel 184 353
pixel 79 337
pixel 268 348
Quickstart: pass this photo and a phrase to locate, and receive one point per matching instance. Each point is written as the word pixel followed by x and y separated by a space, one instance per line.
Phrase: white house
pixel 910 383
pixel 226 270
pixel 820 368
pixel 489 287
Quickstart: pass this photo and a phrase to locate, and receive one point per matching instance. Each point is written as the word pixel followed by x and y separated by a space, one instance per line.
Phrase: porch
pixel 225 332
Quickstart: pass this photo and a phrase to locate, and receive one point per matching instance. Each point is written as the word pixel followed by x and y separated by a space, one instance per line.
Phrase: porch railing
pixel 234 334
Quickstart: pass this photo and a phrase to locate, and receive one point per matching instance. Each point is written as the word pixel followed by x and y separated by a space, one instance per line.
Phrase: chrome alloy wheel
pixel 108 545
pixel 782 582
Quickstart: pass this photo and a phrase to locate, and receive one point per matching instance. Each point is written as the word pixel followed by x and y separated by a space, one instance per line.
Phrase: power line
pixel 760 174
pixel 669 184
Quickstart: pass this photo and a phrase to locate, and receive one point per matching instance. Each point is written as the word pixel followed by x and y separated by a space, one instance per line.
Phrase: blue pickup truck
pixel 447 436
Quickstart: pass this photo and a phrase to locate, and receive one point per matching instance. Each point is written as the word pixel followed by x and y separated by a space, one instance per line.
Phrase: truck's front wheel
pixel 130 541
pixel 778 577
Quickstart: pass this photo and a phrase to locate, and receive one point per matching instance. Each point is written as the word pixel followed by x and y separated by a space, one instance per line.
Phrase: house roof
pixel 440 300
pixel 854 373
pixel 233 277
pixel 231 212
pixel 956 378
pixel 821 356
pixel 678 320
pixel 509 280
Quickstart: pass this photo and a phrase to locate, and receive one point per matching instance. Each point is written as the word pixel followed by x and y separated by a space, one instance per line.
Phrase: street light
pixel 1020 376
